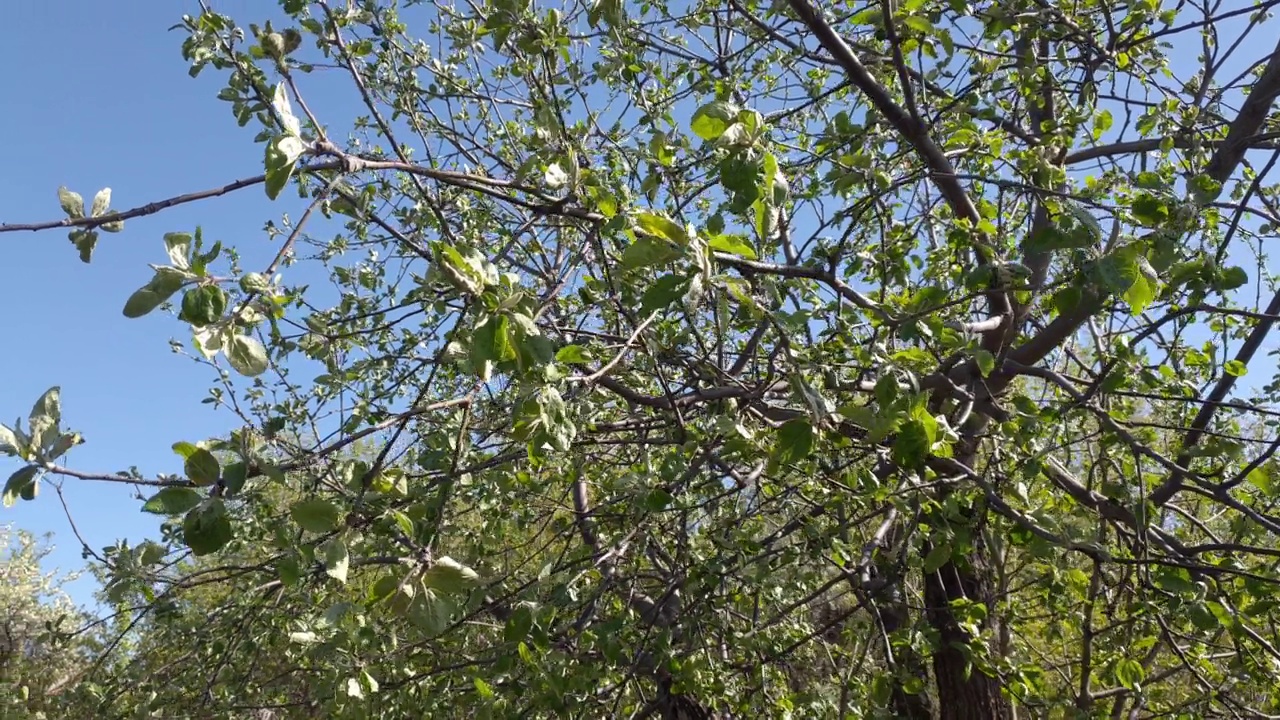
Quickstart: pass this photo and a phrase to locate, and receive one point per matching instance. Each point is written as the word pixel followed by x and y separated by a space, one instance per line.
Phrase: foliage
pixel 41 646
pixel 719 359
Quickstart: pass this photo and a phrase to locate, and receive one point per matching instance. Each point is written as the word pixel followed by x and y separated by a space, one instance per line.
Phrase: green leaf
pixel 162 286
pixel 1126 270
pixel 1232 278
pixel 48 409
pixel 1150 210
pixel 1129 673
pixel 101 201
pixel 1145 287
pixel 316 515
pixel 518 624
pixel 647 251
pixel 572 354
pixel 465 273
pixel 711 120
pixel 919 23
pixel 1205 189
pixel 449 576
pixel 662 226
pixel 247 355
pixel 234 477
pixel 795 440
pixel 1066 300
pixel 288 570
pixel 911 447
pixel 173 501
pixel 732 244
pixel 203 305
pixel 939 555
pixel 1260 478
pixel 282 155
pixel 178 247
pixel 663 292
pixel 9 443
pixel 1052 237
pixel 21 484
pixel 185 449
pixel 1235 368
pixel 207 528
pixel 280 102
pixel 336 559
pixel 202 467
pixel 986 361
pixel 85 242
pixel 492 340
pixel 71 202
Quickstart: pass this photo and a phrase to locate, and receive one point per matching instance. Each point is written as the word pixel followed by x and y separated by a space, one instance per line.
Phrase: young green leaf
pixel 570 354
pixel 282 154
pixel 19 484
pixel 202 467
pixel 938 555
pixel 915 438
pixel 47 409
pixel 207 528
pixel 162 286
pixel 101 202
pixel 172 501
pixel 795 440
pixel 449 576
pixel 247 355
pixel 316 515
pixel 662 226
pixel 663 292
pixel 336 559
pixel 71 202
pixel 647 251
pixel 732 244
pixel 1129 673
pixel 178 247
pixel 711 120
pixel 9 444
pixel 203 305
pixel 280 101
pixel 85 242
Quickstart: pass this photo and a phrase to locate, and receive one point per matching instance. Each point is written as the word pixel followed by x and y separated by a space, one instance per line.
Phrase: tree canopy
pixel 714 359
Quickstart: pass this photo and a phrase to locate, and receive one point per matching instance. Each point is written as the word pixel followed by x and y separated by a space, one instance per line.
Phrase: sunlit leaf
pixel 711 120
pixel 247 355
pixel 336 559
pixel 71 202
pixel 173 501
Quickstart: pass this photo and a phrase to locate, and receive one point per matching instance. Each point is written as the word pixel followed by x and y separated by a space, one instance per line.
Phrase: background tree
pixel 42 647
pixel 721 359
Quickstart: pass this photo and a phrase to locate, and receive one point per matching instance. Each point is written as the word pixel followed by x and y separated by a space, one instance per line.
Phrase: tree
pixel 721 359
pixel 40 646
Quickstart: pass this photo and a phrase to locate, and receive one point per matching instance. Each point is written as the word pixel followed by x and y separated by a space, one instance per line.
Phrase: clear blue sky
pixel 97 94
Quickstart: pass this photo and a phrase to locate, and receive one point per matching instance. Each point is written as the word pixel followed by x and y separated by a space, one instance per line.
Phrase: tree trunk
pixel 964 691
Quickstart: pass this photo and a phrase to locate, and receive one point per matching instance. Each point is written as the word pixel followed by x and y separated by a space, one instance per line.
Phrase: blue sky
pixel 100 96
